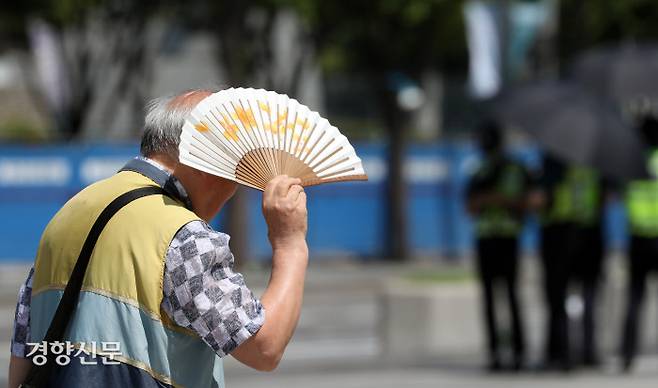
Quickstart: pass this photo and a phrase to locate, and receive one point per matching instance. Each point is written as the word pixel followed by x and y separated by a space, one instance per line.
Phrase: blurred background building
pixel 408 81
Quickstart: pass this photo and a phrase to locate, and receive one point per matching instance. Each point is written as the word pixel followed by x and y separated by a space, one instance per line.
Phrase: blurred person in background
pixel 642 212
pixel 589 193
pixel 161 282
pixel 572 199
pixel 497 199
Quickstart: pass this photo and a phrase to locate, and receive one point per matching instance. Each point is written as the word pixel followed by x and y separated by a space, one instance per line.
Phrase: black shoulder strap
pixel 39 375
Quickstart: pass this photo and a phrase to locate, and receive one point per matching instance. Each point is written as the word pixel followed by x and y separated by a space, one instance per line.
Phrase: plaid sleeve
pixel 203 293
pixel 21 334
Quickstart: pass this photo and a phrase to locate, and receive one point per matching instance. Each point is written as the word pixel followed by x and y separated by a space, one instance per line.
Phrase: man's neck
pixel 165 161
pixel 169 165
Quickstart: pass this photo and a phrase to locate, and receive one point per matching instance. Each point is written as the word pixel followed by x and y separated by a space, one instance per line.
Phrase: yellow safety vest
pixel 576 198
pixel 496 221
pixel 642 202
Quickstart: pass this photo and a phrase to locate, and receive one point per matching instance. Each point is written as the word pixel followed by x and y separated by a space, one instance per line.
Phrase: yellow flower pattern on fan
pixel 246 117
pixel 230 129
pixel 281 126
pixel 201 127
pixel 264 107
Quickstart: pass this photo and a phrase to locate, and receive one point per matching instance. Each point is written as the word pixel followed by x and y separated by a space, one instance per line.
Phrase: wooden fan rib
pixel 213 145
pixel 344 178
pixel 272 133
pixel 310 162
pixel 301 135
pixel 258 167
pixel 292 127
pixel 219 161
pixel 334 152
pixel 245 165
pixel 282 138
pixel 211 136
pixel 286 143
pixel 301 170
pixel 227 144
pixel 250 179
pixel 217 142
pixel 306 140
pixel 278 137
pixel 339 173
pixel 257 141
pixel 292 165
pixel 209 167
pixel 262 134
pixel 242 124
pixel 237 143
pixel 266 170
pixel 248 184
pixel 312 147
pixel 285 136
pixel 323 169
pixel 251 160
pixel 205 155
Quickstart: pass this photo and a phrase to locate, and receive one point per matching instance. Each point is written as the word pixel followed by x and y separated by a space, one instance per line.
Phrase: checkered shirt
pixel 202 291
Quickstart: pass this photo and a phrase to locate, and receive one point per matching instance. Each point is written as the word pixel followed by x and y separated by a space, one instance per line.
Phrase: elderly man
pixel 160 286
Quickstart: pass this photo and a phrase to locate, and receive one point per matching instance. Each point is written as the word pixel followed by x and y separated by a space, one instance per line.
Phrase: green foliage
pixel 385 35
pixel 612 20
pixel 586 23
pixel 20 130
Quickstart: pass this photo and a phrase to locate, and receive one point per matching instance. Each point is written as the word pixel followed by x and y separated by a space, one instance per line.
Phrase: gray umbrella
pixel 626 75
pixel 572 125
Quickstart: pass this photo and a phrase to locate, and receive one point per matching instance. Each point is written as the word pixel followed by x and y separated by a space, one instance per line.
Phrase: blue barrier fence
pixel 344 219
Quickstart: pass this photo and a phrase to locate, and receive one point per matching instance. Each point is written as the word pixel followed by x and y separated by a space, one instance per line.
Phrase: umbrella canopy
pixel 625 75
pixel 575 127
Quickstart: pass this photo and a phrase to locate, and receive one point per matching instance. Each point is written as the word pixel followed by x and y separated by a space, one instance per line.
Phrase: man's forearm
pixel 282 301
pixel 18 370
pixel 284 294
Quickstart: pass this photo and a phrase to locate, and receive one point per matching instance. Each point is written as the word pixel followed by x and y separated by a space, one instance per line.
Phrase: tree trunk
pixel 238 226
pixel 396 191
pixel 572 34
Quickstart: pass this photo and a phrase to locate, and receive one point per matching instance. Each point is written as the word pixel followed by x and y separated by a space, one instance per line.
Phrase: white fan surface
pixel 252 135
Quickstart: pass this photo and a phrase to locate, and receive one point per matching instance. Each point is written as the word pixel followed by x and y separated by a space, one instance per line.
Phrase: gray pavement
pixel 338 341
pixel 418 377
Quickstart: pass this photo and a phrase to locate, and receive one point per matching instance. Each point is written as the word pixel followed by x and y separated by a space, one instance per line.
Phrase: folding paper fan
pixel 250 136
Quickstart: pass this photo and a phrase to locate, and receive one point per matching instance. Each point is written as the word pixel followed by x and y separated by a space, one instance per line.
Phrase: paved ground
pixel 337 343
pixel 426 378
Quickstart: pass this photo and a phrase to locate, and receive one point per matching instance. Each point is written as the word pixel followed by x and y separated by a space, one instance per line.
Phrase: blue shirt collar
pixel 158 174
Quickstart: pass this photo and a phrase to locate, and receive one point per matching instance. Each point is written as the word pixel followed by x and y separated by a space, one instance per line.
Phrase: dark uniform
pixel 642 211
pixel 571 250
pixel 498 224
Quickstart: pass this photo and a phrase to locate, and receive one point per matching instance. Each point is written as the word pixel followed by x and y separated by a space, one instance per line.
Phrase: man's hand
pixel 284 209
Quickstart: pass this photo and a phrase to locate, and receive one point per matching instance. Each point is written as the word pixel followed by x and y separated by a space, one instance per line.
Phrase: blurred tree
pixel 392 42
pixel 586 23
pixel 83 51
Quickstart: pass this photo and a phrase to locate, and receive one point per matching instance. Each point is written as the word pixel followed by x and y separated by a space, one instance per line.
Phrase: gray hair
pixel 164 121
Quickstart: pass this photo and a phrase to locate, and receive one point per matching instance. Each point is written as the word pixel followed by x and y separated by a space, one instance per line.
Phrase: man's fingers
pixel 294 192
pixel 279 187
pixel 282 186
pixel 301 200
